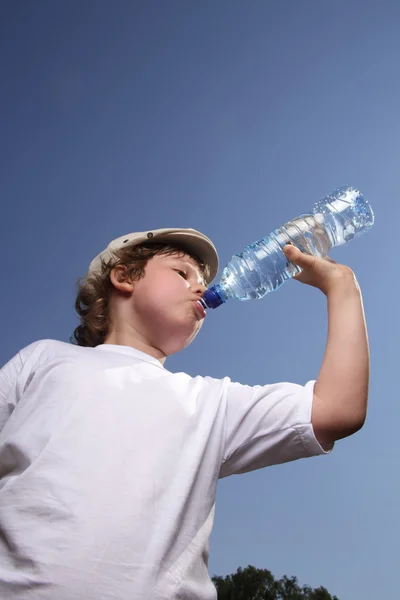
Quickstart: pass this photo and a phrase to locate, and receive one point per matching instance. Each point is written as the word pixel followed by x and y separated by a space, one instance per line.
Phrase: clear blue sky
pixel 230 117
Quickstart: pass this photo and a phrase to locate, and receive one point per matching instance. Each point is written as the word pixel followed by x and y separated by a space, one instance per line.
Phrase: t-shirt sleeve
pixel 13 376
pixel 267 425
pixel 8 384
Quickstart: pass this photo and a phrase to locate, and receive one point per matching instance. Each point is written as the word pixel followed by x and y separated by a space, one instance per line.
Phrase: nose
pixel 199 288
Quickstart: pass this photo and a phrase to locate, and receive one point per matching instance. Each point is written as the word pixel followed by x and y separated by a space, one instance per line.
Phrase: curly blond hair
pixel 94 291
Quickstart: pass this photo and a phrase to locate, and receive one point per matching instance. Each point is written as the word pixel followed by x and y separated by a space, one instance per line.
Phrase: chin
pixel 176 334
pixel 174 343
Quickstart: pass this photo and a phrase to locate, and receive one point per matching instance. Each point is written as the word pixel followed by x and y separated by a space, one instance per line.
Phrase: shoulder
pixel 204 390
pixel 42 350
pixel 21 367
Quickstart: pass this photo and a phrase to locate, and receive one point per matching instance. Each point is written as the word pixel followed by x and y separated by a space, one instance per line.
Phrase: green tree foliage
pixel 259 584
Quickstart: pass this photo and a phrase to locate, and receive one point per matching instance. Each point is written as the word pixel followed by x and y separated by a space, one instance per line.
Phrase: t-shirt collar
pixel 129 351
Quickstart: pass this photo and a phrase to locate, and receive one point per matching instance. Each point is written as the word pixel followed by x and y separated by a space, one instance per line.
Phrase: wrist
pixel 342 283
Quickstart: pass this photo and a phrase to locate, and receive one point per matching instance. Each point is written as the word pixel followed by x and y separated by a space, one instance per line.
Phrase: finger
pixel 299 258
pixel 293 256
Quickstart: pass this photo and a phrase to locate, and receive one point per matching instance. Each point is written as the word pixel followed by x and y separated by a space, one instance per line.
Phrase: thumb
pixel 297 257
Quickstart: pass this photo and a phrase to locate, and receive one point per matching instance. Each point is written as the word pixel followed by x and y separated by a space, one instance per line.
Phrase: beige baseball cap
pixel 195 242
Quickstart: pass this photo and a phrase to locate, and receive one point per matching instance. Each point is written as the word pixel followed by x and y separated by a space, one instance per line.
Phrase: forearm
pixel 341 390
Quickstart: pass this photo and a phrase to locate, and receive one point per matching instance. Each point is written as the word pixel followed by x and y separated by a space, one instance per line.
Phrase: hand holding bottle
pixel 322 273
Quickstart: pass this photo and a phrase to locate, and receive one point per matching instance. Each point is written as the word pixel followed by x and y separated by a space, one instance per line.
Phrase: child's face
pixel 164 302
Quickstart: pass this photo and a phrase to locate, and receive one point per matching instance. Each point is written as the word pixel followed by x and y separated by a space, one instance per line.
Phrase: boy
pixel 109 462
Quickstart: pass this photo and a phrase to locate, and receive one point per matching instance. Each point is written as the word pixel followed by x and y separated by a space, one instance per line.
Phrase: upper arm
pixel 329 423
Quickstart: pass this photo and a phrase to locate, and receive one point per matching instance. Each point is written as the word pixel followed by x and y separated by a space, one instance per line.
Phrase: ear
pixel 120 279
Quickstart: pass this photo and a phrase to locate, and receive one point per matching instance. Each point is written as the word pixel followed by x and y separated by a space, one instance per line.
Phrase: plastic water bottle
pixel 262 267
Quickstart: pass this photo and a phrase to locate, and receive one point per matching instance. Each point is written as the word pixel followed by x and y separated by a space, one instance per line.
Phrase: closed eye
pixel 181 273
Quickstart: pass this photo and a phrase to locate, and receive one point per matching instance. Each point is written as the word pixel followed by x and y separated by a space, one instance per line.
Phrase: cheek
pixel 171 294
pixel 161 299
pixel 156 304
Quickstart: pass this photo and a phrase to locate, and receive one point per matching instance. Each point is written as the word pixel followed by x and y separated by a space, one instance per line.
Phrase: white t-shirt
pixel 109 465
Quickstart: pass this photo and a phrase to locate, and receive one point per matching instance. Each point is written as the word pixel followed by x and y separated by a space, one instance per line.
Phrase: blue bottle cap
pixel 212 298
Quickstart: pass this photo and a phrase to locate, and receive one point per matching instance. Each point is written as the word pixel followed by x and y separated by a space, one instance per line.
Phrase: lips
pixel 199 308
